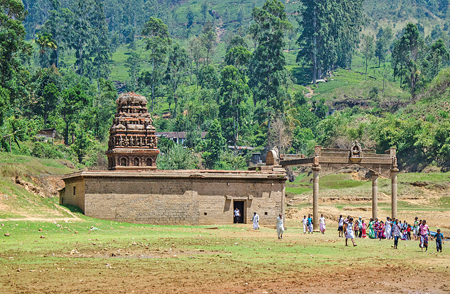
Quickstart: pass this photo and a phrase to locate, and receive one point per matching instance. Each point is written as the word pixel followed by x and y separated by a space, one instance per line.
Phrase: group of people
pixel 350 229
pixel 390 229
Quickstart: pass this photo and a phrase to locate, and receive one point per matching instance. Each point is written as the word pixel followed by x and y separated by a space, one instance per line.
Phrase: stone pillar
pixel 374 195
pixel 316 170
pixel 394 173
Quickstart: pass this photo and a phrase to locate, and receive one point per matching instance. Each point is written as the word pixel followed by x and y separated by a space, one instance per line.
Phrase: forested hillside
pixel 258 73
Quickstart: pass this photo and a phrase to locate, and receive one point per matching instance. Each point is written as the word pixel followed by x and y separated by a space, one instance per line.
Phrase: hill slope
pixel 28 187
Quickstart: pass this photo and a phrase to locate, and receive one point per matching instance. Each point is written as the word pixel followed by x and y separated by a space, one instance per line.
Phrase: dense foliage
pixel 240 72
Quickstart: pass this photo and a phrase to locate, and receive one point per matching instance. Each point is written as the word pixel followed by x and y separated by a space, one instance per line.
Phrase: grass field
pixel 90 254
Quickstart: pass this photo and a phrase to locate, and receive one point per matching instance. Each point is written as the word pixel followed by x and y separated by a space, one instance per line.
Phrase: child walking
pixel 439 240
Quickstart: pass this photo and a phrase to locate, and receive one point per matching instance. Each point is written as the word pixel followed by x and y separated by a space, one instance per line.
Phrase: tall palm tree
pixel 45 41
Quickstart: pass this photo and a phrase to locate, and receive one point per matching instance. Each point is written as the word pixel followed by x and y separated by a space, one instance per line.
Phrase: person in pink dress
pixel 363 229
pixel 424 232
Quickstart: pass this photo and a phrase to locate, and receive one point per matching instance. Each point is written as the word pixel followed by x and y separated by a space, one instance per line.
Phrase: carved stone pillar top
pixel 132 137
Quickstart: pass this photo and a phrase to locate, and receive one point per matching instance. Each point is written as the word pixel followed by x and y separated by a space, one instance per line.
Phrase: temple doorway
pixel 241 206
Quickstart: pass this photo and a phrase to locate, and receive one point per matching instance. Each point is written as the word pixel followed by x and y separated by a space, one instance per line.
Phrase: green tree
pixel 208 39
pixel 329 33
pixel 384 37
pixel 406 57
pixel 368 50
pixel 215 144
pixel 236 41
pixel 12 48
pixel 438 56
pixel 190 17
pixel 45 41
pixel 239 57
pixel 176 66
pixel 81 35
pixel 73 101
pixel 133 63
pixel 233 110
pixel 177 158
pixel 101 47
pixel 157 35
pixel 204 10
pixel 196 53
pixel 268 60
pixel 208 78
pixel 302 138
pixel 103 109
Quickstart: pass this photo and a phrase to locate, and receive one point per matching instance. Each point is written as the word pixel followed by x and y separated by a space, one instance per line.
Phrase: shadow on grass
pixel 73 208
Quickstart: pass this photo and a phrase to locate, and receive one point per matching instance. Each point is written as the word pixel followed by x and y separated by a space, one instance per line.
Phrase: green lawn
pixel 98 251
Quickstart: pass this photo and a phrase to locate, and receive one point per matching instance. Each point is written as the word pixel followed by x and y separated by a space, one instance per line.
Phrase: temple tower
pixel 132 142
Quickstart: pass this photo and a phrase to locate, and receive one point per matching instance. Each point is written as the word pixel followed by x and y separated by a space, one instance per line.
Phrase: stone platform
pixel 176 197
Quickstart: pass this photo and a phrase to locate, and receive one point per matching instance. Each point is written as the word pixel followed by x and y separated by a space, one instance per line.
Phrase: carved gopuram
pixel 132 143
pixel 378 164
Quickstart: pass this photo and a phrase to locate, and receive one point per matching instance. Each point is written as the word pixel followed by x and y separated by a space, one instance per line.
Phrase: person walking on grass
pixel 424 232
pixel 356 229
pixel 418 233
pixel 396 233
pixel 310 224
pixel 341 226
pixel 255 220
pixel 237 215
pixel 280 226
pixel 322 224
pixel 388 228
pixel 363 230
pixel 348 231
pixel 416 228
pixel 305 224
pixel 359 222
pixel 439 240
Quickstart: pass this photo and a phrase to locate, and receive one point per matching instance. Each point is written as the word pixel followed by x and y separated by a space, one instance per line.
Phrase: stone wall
pixel 176 198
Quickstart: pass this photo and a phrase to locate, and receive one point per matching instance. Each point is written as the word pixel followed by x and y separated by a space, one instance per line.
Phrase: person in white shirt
pixel 341 226
pixel 237 214
pixel 322 224
pixel 349 234
pixel 305 224
pixel 255 219
pixel 280 226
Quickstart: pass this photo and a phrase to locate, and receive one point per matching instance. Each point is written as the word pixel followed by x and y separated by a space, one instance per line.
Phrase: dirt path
pixel 41 219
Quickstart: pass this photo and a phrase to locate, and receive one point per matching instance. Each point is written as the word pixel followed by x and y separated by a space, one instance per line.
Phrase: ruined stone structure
pixel 377 164
pixel 132 143
pixel 177 197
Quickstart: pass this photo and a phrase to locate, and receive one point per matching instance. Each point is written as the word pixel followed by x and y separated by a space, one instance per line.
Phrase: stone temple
pixel 132 142
pixel 133 190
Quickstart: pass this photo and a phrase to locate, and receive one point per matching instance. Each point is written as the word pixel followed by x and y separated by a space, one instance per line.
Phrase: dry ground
pixel 122 258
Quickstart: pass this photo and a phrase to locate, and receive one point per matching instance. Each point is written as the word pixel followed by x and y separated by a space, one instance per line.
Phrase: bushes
pixel 47 150
pixel 178 157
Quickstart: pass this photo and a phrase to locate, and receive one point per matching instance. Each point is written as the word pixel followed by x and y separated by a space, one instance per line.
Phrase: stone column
pixel 374 195
pixel 394 173
pixel 316 170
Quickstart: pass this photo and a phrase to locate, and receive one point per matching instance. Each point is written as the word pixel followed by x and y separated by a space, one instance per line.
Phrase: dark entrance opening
pixel 239 205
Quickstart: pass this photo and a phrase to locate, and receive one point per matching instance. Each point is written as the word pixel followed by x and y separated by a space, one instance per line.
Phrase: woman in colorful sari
pixel 363 228
pixel 381 230
pixel 371 229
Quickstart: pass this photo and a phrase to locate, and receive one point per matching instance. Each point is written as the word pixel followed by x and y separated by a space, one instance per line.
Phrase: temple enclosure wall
pixel 177 197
